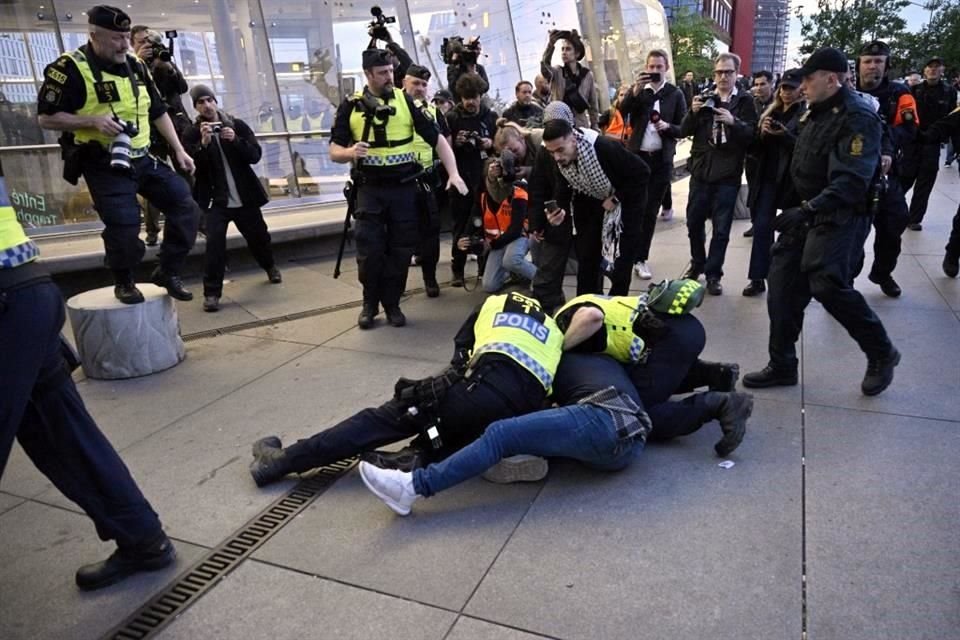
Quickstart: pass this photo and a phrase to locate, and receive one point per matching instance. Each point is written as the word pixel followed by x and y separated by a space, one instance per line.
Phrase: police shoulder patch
pixel 56 76
pixel 856 145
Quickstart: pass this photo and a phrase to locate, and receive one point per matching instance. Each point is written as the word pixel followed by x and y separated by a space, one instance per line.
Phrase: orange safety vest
pixel 495 223
pixel 618 127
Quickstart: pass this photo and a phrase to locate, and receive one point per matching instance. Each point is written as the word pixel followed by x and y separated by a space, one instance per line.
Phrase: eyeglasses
pixel 724 72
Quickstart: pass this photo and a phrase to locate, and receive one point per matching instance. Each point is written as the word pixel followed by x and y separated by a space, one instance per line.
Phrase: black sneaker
pixel 755 288
pixel 172 283
pixel 457 280
pixel 395 317
pixel 887 284
pixel 123 563
pixel 691 273
pixel 748 233
pixel 274 276
pixel 367 314
pixel 407 459
pixel 770 377
pixel 714 287
pixel 951 266
pixel 431 287
pixel 127 293
pixel 879 373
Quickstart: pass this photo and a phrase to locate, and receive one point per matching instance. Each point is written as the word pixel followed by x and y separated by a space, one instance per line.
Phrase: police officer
pixel 375 129
pixel 898 110
pixel 429 184
pixel 94 94
pixel 935 100
pixel 40 406
pixel 834 163
pixel 937 132
pixel 511 350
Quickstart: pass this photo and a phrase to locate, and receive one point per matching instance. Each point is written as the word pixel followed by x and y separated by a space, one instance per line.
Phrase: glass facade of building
pixel 283 66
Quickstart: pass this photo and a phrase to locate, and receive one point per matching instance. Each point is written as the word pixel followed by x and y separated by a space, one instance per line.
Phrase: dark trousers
pixel 819 265
pixel 387 232
pixel 428 247
pixel 588 222
pixel 890 222
pixel 498 389
pixel 659 185
pixel 665 373
pixel 250 224
pixel 953 245
pixel 763 211
pixel 668 194
pixel 716 203
pixel 460 209
pixel 551 263
pixel 922 178
pixel 115 198
pixel 41 407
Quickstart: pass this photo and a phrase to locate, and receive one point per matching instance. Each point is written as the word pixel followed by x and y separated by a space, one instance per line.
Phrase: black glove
pixel 791 219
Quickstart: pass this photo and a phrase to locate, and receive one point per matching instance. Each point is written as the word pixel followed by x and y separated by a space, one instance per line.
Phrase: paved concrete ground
pixel 674 547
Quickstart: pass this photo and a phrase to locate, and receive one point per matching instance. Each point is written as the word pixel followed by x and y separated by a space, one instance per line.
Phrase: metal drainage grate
pixel 193 583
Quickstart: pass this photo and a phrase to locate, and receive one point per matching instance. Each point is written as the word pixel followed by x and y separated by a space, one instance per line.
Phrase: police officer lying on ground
pixel 41 407
pixel 106 101
pixel 506 357
pixel 374 130
pixel 835 162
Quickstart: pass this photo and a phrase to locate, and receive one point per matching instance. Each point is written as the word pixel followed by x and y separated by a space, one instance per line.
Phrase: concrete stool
pixel 117 340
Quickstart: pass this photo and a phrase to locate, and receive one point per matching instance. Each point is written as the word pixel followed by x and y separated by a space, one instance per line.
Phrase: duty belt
pixel 22 276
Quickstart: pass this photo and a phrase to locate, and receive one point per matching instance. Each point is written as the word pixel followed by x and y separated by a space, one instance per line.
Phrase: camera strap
pixel 131 75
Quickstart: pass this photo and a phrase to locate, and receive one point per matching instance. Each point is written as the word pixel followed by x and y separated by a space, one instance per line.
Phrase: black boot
pixel 122 563
pixel 269 461
pixel 127 293
pixel 731 410
pixel 887 284
pixel 879 373
pixel 431 286
pixel 407 459
pixel 717 376
pixel 367 314
pixel 395 317
pixel 770 377
pixel 172 283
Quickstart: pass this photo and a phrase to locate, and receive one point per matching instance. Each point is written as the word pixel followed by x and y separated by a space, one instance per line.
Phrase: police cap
pixel 110 18
pixel 792 78
pixel 875 48
pixel 417 71
pixel 376 58
pixel 825 59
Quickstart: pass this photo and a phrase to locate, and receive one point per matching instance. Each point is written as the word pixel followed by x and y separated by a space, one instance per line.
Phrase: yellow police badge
pixel 856 146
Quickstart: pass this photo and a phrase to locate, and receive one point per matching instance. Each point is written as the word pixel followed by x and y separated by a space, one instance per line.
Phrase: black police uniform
pixel 933 103
pixel 387 215
pixel 115 191
pixel 897 110
pixel 833 166
pixel 935 133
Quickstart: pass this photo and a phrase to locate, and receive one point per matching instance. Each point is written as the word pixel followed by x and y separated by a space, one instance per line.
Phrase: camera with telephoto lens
pixel 475 236
pixel 376 109
pixel 378 26
pixel 455 51
pixel 160 50
pixel 508 166
pixel 710 100
pixel 121 146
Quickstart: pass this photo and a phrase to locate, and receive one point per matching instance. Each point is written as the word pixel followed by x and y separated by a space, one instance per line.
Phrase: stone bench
pixel 117 340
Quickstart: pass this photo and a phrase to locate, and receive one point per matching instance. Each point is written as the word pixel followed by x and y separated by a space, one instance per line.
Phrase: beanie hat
pixel 201 91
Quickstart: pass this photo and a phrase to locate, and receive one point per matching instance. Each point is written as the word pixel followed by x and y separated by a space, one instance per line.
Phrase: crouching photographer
pixel 226 187
pixel 502 212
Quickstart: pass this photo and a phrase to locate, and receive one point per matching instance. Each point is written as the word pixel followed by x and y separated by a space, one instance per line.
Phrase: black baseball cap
pixel 442 96
pixel 825 59
pixel 792 78
pixel 110 18
pixel 934 60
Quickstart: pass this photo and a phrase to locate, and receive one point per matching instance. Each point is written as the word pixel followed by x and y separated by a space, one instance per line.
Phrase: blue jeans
pixel 715 202
pixel 502 262
pixel 580 432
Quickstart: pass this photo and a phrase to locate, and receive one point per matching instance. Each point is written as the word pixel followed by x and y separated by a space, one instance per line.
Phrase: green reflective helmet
pixel 675 297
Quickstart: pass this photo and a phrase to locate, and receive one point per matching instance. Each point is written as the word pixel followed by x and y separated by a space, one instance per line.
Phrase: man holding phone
pixel 655 109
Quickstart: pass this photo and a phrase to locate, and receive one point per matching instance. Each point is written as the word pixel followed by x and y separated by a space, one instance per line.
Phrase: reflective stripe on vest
pixel 399 128
pixel 515 326
pixel 127 108
pixel 619 314
pixel 424 152
pixel 15 247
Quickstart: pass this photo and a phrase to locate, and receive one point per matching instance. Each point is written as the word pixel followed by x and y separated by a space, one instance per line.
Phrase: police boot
pixel 127 293
pixel 879 373
pixel 270 463
pixel 717 376
pixel 172 283
pixel 951 265
pixel 407 459
pixel 395 317
pixel 770 376
pixel 887 284
pixel 151 556
pixel 367 314
pixel 731 410
pixel 432 287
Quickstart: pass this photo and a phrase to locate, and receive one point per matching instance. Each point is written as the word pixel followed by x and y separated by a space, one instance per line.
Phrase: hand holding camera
pixel 377 29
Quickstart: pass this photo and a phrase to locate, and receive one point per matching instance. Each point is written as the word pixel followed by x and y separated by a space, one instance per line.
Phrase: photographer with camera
pixel 374 129
pixel 571 82
pixel 722 122
pixel 148 46
pixel 378 31
pixel 461 59
pixel 502 210
pixel 225 148
pixel 472 128
pixel 107 104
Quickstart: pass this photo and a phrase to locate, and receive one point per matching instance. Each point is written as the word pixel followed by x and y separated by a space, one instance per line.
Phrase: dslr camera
pixel 475 235
pixel 121 146
pixel 455 51
pixel 377 29
pixel 376 109
pixel 710 100
pixel 508 166
pixel 160 51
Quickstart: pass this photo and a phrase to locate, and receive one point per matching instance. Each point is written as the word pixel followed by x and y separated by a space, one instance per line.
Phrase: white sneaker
pixel 518 468
pixel 394 487
pixel 643 271
pixel 666 214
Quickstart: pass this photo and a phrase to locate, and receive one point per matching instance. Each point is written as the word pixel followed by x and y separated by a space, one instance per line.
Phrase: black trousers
pixel 40 406
pixel 387 232
pixel 115 198
pixel 460 209
pixel 250 224
pixel 551 263
pixel 922 178
pixel 890 222
pixel 588 225
pixel 499 388
pixel 819 265
pixel 660 172
pixel 953 245
pixel 428 247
